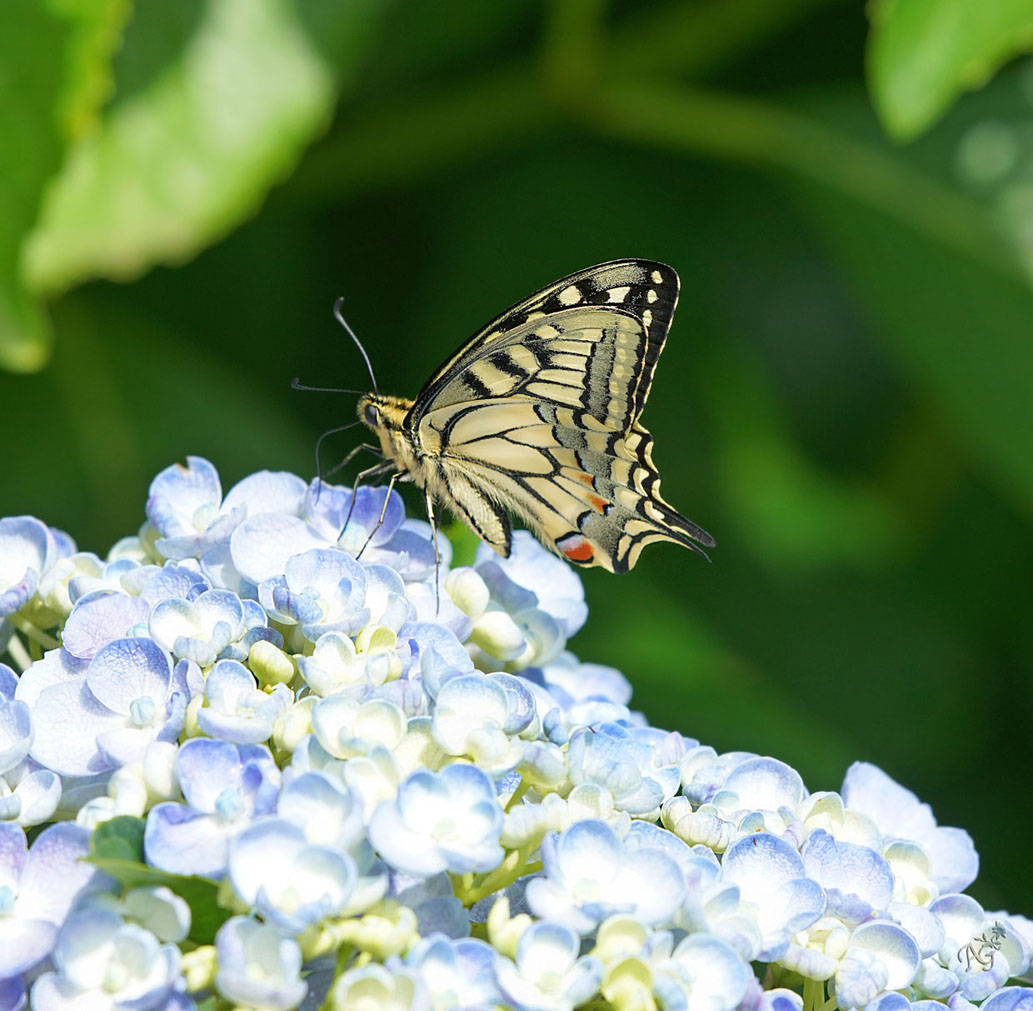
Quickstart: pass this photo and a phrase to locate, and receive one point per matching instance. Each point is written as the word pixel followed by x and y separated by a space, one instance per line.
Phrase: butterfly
pixel 538 414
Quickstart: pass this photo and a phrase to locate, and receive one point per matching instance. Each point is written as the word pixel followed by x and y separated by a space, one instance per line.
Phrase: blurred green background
pixel 845 401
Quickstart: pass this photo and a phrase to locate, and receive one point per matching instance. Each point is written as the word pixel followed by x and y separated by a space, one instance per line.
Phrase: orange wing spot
pixel 599 504
pixel 576 548
pixel 588 479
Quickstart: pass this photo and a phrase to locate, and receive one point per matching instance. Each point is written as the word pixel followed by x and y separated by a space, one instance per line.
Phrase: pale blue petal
pixel 173 581
pixel 55 875
pixel 258 966
pixel 12 993
pixel 101 617
pixel 369 503
pixel 56 667
pixel 857 880
pixel 556 586
pixel 23 943
pixel 27 550
pixel 182 841
pixel 15 733
pixel 8 682
pixel 261 547
pixel 129 669
pixel 178 492
pixel 267 491
pixel 1009 998
pixel 66 720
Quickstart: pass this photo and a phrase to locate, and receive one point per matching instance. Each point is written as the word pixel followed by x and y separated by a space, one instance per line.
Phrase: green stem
pixel 750 131
pixel 513 867
pixel 598 82
pixel 813 995
pixel 393 142
pixel 35 634
pixel 814 998
pixel 518 794
pixel 653 40
pixel 18 652
pixel 343 956
pixel 393 145
pixel 415 135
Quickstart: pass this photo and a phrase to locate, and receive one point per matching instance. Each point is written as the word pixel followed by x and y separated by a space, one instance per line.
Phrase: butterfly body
pixel 537 414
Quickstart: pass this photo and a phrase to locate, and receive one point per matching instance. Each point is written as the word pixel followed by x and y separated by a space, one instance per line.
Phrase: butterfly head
pixel 378 412
pixel 385 416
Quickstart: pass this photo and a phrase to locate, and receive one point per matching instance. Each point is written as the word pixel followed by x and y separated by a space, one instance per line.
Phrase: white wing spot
pixel 570 295
pixel 647 318
pixel 651 296
pixel 657 277
pixel 619 294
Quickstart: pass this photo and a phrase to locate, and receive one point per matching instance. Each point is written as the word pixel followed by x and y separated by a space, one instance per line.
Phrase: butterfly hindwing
pixel 468 498
pixel 589 493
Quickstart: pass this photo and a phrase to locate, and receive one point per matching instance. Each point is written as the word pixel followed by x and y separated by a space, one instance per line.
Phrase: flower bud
pixel 505 931
pixel 198 968
pixel 498 634
pixel 270 664
pixel 468 591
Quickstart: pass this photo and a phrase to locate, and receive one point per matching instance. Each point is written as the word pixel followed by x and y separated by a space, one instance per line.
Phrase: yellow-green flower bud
pixel 270 664
pixel 290 727
pixel 505 931
pixel 198 968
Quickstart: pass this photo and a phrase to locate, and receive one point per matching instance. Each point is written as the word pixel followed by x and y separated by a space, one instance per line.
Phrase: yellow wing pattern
pixel 539 412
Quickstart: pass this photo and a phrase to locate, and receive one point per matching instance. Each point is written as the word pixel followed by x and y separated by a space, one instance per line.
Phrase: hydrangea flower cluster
pixel 265 755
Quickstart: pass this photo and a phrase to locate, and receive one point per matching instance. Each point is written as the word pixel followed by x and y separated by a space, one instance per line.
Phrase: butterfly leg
pixel 383 513
pixel 333 470
pixel 319 446
pixel 375 471
pixel 351 456
pixel 429 500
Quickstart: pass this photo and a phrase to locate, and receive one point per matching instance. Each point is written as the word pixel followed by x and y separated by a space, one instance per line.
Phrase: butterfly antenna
pixel 351 333
pixel 297 384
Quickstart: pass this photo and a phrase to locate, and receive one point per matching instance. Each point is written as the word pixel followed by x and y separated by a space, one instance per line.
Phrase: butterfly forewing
pixel 644 290
pixel 538 413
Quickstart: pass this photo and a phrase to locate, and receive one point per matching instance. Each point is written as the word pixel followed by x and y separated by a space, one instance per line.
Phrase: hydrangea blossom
pixel 276 751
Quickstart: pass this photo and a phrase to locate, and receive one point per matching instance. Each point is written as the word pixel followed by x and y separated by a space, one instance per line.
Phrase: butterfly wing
pixel 645 290
pixel 542 418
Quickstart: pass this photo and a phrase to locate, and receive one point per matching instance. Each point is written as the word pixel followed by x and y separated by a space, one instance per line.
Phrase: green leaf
pixel 463 540
pixel 120 838
pixel 215 102
pixel 53 60
pixel 922 54
pixel 97 36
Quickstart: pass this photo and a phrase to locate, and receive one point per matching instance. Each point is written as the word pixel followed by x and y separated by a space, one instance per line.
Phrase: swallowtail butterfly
pixel 538 415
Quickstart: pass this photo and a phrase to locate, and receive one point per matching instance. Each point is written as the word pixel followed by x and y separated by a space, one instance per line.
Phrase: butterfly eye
pixel 371 416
